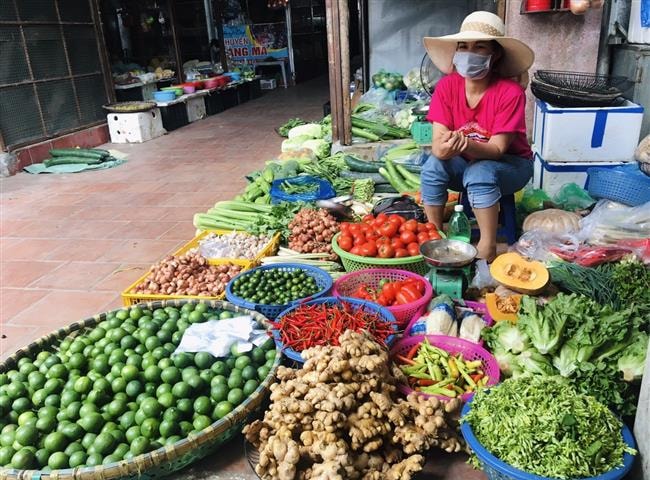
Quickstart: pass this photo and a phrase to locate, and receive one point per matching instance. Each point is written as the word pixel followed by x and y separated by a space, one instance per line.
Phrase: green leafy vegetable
pixel 506 337
pixel 311 130
pixel 632 360
pixel 543 426
pixel 545 332
pixel 291 123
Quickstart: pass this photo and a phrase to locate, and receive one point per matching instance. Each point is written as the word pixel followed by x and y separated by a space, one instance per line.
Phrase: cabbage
pixel 295 143
pixel 311 130
pixel 319 146
pixel 545 331
pixel 534 362
pixel 632 361
pixel 508 362
pixel 506 336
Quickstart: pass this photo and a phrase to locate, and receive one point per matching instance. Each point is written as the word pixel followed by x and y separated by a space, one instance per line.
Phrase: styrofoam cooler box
pixel 590 134
pixel 195 109
pixel 135 127
pixel 550 176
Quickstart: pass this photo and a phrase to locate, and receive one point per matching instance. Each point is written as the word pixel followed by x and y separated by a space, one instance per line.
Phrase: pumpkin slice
pixel 518 274
pixel 503 308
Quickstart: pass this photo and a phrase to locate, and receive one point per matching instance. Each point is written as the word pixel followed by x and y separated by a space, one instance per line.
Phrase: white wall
pixel 396 28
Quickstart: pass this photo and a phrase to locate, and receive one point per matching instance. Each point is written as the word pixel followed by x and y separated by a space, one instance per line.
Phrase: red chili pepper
pixel 425 382
pixel 413 351
pixel 405 360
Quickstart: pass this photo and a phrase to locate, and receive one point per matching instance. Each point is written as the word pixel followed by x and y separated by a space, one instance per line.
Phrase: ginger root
pixel 339 417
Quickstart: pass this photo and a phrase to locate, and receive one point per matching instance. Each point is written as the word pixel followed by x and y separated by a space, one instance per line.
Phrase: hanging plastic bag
pixel 610 222
pixel 483 278
pixel 571 197
pixel 533 199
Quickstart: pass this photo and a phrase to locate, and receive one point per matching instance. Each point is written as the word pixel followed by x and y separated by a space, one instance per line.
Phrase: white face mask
pixel 472 65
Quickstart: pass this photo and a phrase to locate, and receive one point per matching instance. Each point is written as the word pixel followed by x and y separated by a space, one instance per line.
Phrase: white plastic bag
pixel 218 336
pixel 538 245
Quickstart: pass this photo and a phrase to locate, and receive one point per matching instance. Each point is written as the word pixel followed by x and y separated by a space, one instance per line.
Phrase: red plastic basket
pixel 479 308
pixel 471 351
pixel 404 314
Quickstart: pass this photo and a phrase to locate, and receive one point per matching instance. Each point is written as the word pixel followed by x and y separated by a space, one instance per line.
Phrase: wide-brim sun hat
pixel 481 26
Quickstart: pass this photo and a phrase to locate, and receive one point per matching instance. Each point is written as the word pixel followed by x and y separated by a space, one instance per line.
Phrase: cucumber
pixel 78 152
pixel 408 176
pixel 397 180
pixel 359 175
pixel 412 168
pixel 71 160
pixel 396 186
pixel 357 165
pixel 385 188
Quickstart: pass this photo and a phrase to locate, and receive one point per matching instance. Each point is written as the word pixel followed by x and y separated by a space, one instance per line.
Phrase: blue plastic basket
pixel 626 184
pixel 325 190
pixel 323 281
pixel 368 306
pixel 495 469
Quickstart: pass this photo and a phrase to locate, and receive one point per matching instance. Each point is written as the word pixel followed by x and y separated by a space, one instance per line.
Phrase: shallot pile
pixel 189 274
pixel 312 231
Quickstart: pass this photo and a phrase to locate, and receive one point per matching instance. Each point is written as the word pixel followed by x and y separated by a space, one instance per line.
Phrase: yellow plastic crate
pixel 270 249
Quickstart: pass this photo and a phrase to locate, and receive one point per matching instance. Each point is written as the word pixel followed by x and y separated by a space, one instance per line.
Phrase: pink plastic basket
pixel 479 308
pixel 404 314
pixel 471 351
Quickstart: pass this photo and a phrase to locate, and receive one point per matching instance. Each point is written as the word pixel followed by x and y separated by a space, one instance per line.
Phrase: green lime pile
pixel 118 391
pixel 274 286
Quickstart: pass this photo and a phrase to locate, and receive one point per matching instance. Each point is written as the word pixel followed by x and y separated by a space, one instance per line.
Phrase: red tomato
pixel 396 243
pixel 411 225
pixel 388 229
pixel 359 239
pixel 396 219
pixel 434 234
pixel 382 217
pixel 354 228
pixel 413 249
pixel 408 237
pixel 389 291
pixel 356 250
pixel 365 228
pixel 422 227
pixel 423 237
pixel 401 253
pixel 407 294
pixel 372 235
pixel 419 284
pixel 344 227
pixel 346 242
pixel 369 249
pixel 385 250
pixel 368 218
pixel 382 241
pixel 431 226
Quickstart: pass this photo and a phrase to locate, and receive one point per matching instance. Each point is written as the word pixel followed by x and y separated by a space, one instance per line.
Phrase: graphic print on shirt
pixel 475 132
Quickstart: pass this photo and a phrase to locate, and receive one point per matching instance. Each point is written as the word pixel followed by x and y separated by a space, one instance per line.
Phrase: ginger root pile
pixel 338 418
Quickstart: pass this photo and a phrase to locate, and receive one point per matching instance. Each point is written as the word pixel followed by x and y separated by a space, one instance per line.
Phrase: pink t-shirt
pixel 501 110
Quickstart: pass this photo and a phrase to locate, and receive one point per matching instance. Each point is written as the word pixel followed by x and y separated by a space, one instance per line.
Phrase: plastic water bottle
pixel 459 227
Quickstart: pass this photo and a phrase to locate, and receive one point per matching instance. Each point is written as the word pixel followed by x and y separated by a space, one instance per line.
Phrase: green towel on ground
pixel 72 167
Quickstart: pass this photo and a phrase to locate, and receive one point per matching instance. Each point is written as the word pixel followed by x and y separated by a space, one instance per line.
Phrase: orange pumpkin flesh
pixel 519 274
pixel 503 308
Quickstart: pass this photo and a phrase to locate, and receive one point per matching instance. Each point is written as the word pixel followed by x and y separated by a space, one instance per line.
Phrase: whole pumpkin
pixel 552 220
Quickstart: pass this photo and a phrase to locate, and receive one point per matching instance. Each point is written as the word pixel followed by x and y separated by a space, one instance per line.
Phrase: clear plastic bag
pixel 612 222
pixel 543 246
pixel 483 278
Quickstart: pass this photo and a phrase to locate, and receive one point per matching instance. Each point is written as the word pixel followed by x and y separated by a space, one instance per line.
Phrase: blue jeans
pixel 484 180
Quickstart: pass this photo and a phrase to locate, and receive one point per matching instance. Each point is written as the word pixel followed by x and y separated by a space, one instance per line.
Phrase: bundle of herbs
pixel 599 349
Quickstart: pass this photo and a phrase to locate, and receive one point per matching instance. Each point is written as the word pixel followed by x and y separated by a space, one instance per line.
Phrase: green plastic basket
pixel 422 133
pixel 352 263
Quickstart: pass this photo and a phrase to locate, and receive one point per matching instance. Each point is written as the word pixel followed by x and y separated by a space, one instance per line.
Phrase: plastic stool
pixel 507 216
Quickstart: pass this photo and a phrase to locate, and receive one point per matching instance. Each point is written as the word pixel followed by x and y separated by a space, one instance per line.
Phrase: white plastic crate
pixel 550 176
pixel 135 127
pixel 583 135
pixel 195 108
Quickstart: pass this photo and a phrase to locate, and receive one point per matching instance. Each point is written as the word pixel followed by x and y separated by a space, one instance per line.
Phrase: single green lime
pixel 58 460
pixel 139 445
pixel 236 396
pixel 77 459
pixel 201 422
pixel 222 409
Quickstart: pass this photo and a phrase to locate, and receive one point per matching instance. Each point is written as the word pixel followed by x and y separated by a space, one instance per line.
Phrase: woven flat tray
pixel 169 458
pixel 129 107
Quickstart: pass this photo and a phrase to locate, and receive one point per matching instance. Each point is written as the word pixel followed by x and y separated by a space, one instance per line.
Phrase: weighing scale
pixel 451 265
pixel 421 130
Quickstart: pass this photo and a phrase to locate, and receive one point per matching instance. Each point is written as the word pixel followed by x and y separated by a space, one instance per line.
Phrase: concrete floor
pixel 70 243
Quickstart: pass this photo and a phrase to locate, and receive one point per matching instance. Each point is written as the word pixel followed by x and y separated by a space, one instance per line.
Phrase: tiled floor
pixel 70 243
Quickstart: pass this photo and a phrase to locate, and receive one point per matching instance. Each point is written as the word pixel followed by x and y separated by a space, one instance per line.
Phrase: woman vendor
pixel 479 127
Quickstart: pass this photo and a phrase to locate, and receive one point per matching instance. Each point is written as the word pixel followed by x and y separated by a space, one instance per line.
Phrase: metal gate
pixel 51 76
